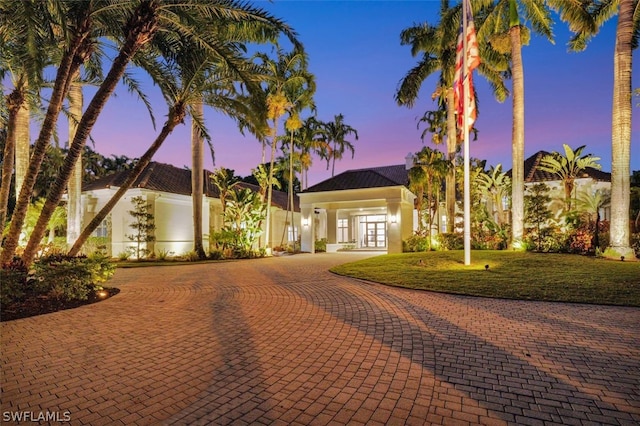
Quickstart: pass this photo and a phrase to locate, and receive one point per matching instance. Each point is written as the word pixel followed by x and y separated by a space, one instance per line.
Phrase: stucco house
pixel 589 181
pixel 373 209
pixel 167 189
pixel 369 208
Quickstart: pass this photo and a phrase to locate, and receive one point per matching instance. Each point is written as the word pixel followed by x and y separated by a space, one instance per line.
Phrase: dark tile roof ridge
pixel 147 172
pixel 538 157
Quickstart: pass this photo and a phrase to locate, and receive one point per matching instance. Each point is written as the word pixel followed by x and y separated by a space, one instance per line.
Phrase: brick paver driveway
pixel 283 341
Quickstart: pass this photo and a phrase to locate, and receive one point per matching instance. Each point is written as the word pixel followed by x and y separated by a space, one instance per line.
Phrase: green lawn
pixel 511 275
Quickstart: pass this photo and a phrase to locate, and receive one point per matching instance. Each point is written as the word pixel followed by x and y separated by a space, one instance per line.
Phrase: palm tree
pixel 74 188
pixel 197 172
pixel 425 176
pixel 496 185
pixel 286 76
pixel 336 132
pixel 190 21
pixel 568 167
pixel 25 44
pixel 585 19
pixel 77 47
pixel 504 30
pixel 311 141
pixel 591 203
pixel 437 44
pixel 195 73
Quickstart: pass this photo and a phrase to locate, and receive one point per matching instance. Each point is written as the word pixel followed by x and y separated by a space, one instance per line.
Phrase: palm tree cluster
pixel 503 27
pixel 195 51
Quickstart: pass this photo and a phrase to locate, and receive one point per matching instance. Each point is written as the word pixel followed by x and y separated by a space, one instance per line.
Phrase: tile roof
pixel 533 174
pixel 167 178
pixel 373 177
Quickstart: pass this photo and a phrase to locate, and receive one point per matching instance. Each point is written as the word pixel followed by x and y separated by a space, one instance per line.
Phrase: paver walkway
pixel 283 341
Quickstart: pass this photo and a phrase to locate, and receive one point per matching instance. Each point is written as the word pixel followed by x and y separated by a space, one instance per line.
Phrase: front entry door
pixel 376 234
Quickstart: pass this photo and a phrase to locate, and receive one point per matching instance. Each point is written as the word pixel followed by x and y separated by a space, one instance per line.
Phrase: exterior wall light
pixel 394 218
pixel 305 222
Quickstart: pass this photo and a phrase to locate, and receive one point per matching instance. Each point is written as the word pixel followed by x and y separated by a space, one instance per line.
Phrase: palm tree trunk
pixel 23 144
pixel 267 232
pixel 517 138
pixel 621 135
pixel 333 156
pixel 450 196
pixel 14 99
pixel 143 25
pixel 197 179
pixel 69 64
pixel 290 202
pixel 176 115
pixel 74 188
pixel 429 209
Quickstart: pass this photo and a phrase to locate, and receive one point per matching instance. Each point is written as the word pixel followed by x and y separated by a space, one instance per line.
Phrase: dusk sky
pixel 356 56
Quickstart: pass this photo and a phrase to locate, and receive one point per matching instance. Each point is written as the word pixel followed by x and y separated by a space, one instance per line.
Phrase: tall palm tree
pixel 189 20
pixel 336 132
pixel 311 141
pixel 430 166
pixel 208 60
pixel 25 41
pixel 503 28
pixel 286 77
pixel 437 44
pixel 568 167
pixel 585 19
pixel 197 172
pixel 74 19
pixel 74 188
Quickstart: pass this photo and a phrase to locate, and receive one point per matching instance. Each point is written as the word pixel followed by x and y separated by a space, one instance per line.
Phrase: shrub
pixel 215 255
pixel 163 254
pixel 13 280
pixel 635 243
pixel 320 246
pixel 452 241
pixel 124 255
pixel 191 256
pixel 416 243
pixel 71 278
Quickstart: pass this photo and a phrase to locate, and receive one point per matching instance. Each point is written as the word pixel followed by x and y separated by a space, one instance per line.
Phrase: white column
pixel 307 227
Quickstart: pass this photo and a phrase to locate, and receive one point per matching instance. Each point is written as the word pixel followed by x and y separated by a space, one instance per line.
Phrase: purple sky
pixel 356 56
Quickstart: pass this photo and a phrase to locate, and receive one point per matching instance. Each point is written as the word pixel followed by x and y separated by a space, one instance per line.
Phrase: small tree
pixel 537 211
pixel 143 226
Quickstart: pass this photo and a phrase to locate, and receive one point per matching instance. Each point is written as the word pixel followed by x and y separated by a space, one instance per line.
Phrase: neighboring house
pixel 368 208
pixel 168 190
pixel 589 181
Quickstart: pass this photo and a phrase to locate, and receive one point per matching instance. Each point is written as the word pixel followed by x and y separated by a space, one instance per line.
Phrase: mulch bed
pixel 40 305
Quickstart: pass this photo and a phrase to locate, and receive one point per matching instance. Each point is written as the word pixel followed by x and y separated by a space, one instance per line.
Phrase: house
pixel 167 189
pixel 368 208
pixel 589 181
pixel 373 209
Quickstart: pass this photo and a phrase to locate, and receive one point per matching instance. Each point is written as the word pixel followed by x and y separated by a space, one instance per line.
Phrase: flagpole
pixel 465 132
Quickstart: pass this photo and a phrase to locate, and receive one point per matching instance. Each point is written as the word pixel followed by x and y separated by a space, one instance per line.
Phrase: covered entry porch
pixel 360 219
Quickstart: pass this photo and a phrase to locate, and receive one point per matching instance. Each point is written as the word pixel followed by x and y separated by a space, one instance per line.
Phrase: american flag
pixel 463 76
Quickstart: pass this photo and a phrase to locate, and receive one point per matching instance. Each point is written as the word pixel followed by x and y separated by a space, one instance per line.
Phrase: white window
pixel 292 233
pixel 343 230
pixel 102 231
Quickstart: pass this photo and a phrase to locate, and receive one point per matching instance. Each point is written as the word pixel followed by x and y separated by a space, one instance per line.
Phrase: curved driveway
pixel 283 341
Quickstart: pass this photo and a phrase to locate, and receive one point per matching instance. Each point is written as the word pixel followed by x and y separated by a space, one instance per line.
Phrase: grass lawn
pixel 511 275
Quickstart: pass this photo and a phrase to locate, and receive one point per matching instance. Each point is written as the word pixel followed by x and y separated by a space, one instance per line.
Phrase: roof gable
pixel 374 177
pixel 167 178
